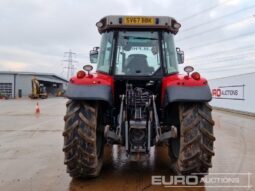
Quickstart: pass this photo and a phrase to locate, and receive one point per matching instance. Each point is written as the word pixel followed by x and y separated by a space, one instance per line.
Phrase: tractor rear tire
pixel 192 151
pixel 83 139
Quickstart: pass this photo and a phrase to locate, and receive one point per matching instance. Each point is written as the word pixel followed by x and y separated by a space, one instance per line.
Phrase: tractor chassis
pixel 128 130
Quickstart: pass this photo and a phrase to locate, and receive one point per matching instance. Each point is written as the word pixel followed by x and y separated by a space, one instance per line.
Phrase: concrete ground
pixel 31 156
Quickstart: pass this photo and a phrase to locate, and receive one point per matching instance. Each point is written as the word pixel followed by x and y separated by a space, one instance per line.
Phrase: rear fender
pixel 180 88
pixel 96 87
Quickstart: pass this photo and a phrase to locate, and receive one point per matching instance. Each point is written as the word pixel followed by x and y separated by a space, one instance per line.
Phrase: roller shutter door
pixel 6 89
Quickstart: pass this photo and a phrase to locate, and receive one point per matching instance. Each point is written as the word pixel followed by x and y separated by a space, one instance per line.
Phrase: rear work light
pixel 195 76
pixel 81 74
pixel 177 25
pixel 99 24
pixel 188 69
pixel 88 68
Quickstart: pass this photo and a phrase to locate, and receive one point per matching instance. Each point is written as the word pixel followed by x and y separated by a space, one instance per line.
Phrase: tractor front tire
pixel 83 139
pixel 192 151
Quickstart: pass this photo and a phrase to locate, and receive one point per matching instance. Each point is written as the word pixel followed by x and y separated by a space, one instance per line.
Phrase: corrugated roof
pixel 49 79
pixel 36 74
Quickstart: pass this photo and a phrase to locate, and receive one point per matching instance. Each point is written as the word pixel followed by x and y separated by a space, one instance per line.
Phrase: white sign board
pixel 228 92
pixel 234 92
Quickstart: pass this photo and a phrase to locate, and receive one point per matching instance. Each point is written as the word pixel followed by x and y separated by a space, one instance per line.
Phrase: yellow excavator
pixel 37 90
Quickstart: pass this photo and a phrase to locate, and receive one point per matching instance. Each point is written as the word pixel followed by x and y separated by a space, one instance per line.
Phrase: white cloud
pixel 230 2
pixel 34 34
pixel 240 25
pixel 13 66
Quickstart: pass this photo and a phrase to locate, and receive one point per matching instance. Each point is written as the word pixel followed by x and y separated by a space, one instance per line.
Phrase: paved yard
pixel 31 156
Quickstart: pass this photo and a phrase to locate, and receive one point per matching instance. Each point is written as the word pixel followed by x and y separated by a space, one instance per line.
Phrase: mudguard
pixel 178 88
pixel 94 87
pixel 93 92
pixel 187 94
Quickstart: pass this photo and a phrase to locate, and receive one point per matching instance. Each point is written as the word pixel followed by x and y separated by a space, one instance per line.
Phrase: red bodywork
pixel 171 80
pixel 180 80
pixel 94 79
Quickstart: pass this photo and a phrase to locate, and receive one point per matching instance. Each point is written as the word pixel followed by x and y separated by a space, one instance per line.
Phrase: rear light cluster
pixel 195 76
pixel 81 74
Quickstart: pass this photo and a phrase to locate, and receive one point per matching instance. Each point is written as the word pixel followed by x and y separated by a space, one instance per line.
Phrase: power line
pixel 228 57
pixel 224 60
pixel 228 67
pixel 228 63
pixel 231 64
pixel 203 11
pixel 218 18
pixel 222 40
pixel 188 3
pixel 222 52
pixel 219 71
pixel 70 60
pixel 225 69
pixel 213 29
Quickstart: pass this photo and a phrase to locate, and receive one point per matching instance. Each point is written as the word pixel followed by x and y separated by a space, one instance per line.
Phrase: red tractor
pixel 137 99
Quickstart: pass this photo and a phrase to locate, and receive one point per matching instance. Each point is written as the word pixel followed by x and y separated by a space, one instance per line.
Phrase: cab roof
pixel 138 22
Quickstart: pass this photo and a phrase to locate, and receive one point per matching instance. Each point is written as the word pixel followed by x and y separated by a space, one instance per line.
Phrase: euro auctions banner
pixel 235 92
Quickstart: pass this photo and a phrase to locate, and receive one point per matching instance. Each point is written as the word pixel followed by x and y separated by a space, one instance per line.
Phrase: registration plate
pixel 139 20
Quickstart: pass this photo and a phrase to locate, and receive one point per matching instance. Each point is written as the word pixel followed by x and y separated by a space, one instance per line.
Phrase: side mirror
pixel 180 55
pixel 93 55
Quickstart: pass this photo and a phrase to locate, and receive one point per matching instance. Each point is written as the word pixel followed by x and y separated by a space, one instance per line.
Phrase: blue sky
pixel 218 36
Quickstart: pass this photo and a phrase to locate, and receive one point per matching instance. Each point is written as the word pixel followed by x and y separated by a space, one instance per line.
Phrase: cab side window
pixel 105 53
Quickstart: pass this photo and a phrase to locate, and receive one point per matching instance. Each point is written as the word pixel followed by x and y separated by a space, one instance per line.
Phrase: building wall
pixel 23 83
pixel 235 92
pixel 8 78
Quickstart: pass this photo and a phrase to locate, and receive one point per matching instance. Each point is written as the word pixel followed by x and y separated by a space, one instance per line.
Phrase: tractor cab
pixel 138 46
pixel 137 51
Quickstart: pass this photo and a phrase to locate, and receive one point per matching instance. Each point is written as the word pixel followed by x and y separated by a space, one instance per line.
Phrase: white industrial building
pixel 235 93
pixel 19 84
